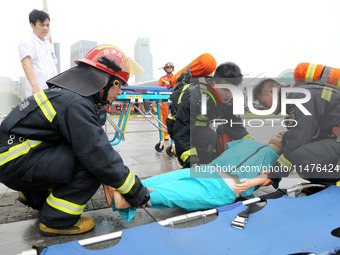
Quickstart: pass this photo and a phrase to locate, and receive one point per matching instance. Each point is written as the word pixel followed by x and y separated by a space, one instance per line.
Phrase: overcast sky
pixel 258 35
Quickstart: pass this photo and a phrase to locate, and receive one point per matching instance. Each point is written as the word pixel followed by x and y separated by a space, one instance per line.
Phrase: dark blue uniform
pixel 310 147
pixel 60 155
pixel 195 140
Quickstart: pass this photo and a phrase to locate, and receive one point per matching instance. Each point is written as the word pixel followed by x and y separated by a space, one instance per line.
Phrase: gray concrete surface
pixel 19 224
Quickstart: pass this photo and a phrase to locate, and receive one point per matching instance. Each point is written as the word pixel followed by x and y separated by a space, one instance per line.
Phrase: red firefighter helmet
pixel 110 59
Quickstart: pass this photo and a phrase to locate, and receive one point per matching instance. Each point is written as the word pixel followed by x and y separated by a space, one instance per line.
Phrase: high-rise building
pixel 80 49
pixel 144 58
pixel 57 54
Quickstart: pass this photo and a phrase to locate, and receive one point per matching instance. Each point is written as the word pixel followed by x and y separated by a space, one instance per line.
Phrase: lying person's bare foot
pixel 108 194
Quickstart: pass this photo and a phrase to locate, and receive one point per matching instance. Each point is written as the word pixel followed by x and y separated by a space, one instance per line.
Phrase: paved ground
pixel 19 224
pixel 12 210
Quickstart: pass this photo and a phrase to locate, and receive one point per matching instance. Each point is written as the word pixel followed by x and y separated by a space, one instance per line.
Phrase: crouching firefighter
pixel 195 138
pixel 54 150
pixel 311 146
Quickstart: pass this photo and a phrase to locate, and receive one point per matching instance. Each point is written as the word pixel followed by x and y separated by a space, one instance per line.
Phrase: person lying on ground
pixel 237 172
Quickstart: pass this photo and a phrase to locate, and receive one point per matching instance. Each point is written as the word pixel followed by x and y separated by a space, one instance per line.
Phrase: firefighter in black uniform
pixel 311 146
pixel 55 151
pixel 193 132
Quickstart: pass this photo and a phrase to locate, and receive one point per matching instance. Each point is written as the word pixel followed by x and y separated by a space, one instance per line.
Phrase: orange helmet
pixel 109 59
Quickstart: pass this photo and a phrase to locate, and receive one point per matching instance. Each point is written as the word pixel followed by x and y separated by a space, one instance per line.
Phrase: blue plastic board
pixel 285 226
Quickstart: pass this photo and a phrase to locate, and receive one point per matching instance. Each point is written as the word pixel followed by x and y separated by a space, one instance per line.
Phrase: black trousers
pixel 57 172
pixel 318 161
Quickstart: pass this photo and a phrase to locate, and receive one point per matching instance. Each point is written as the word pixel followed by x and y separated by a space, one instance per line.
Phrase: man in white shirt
pixel 37 54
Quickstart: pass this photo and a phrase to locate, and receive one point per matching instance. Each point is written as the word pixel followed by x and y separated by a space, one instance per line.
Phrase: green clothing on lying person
pixel 202 187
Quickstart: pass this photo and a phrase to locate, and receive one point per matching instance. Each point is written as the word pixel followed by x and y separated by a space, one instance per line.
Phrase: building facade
pixel 144 59
pixel 57 54
pixel 80 49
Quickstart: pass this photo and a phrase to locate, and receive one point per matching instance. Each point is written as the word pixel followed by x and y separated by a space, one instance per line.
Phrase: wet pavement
pixel 19 224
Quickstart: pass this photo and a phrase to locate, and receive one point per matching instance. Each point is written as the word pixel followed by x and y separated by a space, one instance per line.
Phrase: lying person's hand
pixel 267 182
pixel 242 186
pixel 121 203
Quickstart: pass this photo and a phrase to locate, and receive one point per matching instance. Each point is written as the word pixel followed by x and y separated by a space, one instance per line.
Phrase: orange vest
pixel 306 72
pixel 164 81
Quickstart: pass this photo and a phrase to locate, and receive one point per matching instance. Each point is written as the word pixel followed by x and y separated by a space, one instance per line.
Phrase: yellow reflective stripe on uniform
pixel 182 92
pixel 310 72
pixel 338 184
pixel 166 82
pixel 248 137
pixel 185 155
pixel 199 123
pixel 65 206
pixel 284 162
pixel 202 117
pixel 210 94
pixel 326 93
pixel 202 121
pixel 338 84
pixel 45 105
pixel 17 151
pixel 171 117
pixel 128 184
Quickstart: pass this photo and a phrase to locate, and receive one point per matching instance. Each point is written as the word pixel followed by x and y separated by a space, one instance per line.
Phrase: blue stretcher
pixel 132 96
pixel 287 225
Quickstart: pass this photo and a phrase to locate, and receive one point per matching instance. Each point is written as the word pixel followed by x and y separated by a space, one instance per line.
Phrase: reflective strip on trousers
pixel 327 93
pixel 128 184
pixel 65 206
pixel 185 155
pixel 45 105
pixel 17 151
pixel 310 72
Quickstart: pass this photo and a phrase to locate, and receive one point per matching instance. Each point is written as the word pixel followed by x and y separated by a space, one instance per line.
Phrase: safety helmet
pixel 109 59
pixel 169 64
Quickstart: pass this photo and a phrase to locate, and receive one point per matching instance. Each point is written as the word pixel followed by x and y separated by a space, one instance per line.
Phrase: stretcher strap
pixel 241 219
pixel 252 208
pixel 276 194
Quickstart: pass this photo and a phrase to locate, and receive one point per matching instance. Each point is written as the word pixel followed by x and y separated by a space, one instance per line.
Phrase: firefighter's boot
pixel 84 224
pixel 22 199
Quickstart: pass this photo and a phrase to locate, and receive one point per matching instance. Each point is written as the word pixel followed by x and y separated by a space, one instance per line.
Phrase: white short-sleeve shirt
pixel 43 60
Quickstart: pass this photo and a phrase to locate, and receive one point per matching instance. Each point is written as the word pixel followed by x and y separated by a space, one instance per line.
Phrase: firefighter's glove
pixel 278 171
